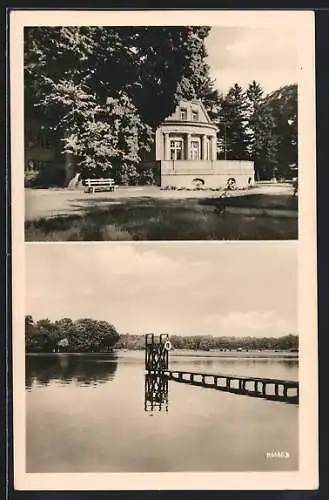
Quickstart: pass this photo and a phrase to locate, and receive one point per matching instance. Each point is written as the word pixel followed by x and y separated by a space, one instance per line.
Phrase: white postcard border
pixel 307 475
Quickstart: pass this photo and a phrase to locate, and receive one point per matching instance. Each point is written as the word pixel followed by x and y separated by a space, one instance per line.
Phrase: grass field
pixel 100 217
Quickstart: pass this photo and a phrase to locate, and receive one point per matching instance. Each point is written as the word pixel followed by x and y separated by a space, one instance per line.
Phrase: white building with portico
pixel 186 147
pixel 187 134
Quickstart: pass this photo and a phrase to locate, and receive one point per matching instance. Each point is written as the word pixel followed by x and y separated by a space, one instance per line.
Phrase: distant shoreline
pixel 188 353
pixel 236 354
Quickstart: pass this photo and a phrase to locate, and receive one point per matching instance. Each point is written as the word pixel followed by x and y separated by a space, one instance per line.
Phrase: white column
pixel 214 148
pixel 188 146
pixel 166 152
pixel 204 148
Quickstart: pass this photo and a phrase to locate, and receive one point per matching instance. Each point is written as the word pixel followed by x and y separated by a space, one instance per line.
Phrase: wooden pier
pixel 286 391
pixel 156 365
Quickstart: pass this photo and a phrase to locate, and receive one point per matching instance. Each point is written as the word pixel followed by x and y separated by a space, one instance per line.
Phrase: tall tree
pixel 262 128
pixel 196 81
pixel 262 139
pixel 281 106
pixel 106 89
pixel 233 120
pixel 255 97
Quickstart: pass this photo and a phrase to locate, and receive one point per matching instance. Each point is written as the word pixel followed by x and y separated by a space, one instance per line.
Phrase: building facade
pixel 187 134
pixel 186 147
pixel 184 154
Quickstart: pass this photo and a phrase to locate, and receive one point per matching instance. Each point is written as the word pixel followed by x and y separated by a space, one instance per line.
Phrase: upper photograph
pixel 160 133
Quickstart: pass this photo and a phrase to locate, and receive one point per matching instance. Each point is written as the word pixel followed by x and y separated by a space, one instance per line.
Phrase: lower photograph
pixel 161 358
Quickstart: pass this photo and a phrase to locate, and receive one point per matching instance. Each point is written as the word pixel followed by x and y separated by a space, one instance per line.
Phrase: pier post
pixel 241 385
pixel 285 391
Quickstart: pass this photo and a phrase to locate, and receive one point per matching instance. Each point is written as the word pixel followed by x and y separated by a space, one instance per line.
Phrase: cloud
pixel 253 323
pixel 240 48
pixel 267 55
pixel 179 288
pixel 269 80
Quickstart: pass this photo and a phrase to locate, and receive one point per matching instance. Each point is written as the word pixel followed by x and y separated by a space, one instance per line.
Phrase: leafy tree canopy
pixel 82 335
pixel 259 127
pixel 207 342
pixel 108 88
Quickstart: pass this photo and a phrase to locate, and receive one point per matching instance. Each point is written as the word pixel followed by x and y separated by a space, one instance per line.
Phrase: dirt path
pixel 47 203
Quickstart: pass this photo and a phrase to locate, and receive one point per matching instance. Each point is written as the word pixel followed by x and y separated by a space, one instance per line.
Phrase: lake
pixel 91 413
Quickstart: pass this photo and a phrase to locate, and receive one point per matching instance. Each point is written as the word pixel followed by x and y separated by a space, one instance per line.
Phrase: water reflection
pixel 156 392
pixel 271 368
pixel 74 429
pixel 290 363
pixel 65 368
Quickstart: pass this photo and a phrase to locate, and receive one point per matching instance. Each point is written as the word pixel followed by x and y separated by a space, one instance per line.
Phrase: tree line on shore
pixel 101 92
pixel 208 342
pixel 65 335
pixel 89 335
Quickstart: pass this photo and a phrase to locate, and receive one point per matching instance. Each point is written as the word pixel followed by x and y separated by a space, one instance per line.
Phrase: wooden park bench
pixel 92 184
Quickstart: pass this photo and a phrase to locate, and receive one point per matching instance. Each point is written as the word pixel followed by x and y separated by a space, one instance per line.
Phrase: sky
pixel 235 289
pixel 241 54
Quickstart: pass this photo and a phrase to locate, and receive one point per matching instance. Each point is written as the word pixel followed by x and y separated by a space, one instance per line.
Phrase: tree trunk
pixel 69 168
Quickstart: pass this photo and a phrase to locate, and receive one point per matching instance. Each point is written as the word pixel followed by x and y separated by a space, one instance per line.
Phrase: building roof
pixel 186 102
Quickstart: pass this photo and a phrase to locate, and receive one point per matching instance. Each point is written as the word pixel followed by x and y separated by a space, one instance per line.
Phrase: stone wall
pixel 211 174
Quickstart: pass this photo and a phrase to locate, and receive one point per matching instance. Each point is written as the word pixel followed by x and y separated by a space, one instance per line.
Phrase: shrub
pixel 126 175
pixel 53 176
pixel 146 176
pixel 30 178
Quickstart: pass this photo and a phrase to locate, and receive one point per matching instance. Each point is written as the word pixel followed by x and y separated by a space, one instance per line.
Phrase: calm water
pixel 90 413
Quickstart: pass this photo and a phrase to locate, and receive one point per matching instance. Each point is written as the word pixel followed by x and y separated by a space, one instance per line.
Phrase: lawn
pixel 105 218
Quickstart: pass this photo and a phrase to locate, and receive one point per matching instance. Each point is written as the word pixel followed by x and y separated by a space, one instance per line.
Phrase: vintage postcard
pixel 164 250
